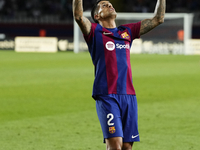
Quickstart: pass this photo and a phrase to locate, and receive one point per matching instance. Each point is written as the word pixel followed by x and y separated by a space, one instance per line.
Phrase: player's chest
pixel 114 41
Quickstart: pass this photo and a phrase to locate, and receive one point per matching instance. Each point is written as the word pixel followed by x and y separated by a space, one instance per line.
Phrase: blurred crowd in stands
pixel 173 6
pixel 63 8
pixel 36 8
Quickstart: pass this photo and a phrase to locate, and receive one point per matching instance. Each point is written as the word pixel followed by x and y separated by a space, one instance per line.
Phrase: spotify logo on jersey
pixel 110 46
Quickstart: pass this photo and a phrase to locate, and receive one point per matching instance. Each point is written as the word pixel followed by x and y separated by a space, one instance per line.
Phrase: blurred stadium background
pixel 45 98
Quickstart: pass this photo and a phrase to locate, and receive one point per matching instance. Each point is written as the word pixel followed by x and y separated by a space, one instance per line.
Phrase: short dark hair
pixel 94 9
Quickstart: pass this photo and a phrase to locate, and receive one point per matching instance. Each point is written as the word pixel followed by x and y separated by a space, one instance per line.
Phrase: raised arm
pixel 82 21
pixel 148 24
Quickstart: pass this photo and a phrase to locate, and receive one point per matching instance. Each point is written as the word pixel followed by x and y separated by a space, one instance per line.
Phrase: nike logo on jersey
pixel 106 33
pixel 135 136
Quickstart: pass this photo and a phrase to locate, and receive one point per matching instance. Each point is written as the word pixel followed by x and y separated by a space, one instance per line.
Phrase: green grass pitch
pixel 46 104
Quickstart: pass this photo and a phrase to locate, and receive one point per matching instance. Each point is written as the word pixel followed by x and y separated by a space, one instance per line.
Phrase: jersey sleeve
pixel 134 29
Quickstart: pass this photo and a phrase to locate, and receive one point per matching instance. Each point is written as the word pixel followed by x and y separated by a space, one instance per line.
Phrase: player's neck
pixel 108 23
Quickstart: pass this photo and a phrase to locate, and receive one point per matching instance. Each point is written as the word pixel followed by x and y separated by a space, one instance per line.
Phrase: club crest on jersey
pixel 125 35
pixel 112 129
pixel 110 46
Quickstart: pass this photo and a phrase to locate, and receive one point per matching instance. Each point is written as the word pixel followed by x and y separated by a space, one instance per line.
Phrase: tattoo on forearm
pixel 161 10
pixel 77 8
pixel 149 24
pixel 82 21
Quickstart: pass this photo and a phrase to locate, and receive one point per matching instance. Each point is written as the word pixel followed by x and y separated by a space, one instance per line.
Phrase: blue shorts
pixel 118 116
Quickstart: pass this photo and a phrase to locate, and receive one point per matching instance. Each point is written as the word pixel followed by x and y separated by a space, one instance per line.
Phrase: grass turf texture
pixel 46 104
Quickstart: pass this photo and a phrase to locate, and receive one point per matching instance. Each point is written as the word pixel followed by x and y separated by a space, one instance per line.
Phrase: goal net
pixel 168 38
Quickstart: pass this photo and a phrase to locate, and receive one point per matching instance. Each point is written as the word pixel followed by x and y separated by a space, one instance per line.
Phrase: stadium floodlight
pixel 166 33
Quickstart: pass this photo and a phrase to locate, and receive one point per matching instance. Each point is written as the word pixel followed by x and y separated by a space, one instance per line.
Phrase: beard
pixel 108 14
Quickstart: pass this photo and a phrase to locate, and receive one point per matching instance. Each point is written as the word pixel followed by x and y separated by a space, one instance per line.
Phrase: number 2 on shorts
pixel 110 117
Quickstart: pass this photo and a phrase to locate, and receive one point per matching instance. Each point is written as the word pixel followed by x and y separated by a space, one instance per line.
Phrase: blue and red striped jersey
pixel 110 53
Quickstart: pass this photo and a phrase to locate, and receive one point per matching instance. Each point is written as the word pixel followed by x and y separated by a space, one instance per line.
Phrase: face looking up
pixel 105 9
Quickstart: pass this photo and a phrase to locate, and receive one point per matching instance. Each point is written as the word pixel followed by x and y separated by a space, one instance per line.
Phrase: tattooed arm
pixel 149 24
pixel 82 21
